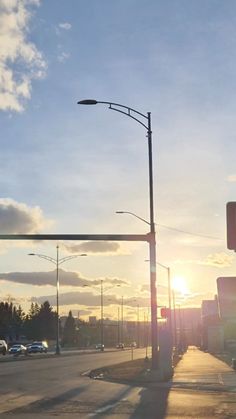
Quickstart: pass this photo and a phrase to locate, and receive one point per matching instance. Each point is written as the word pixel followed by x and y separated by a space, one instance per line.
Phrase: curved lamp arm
pixel 48 258
pixel 117 107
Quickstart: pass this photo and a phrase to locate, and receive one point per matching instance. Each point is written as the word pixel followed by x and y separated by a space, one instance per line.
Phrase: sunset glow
pixel 179 284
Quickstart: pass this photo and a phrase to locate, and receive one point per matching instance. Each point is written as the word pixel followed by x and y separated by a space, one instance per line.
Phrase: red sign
pixel 165 312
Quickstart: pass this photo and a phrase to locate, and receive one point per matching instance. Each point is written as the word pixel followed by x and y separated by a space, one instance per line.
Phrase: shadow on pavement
pixel 153 403
pixel 48 404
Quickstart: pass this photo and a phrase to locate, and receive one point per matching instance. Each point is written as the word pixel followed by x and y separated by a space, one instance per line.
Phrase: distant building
pixel 92 319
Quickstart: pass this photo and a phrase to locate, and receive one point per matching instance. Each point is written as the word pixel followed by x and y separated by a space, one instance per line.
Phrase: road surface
pixel 202 387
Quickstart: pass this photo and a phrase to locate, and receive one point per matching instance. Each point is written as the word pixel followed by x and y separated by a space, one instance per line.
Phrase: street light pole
pixel 102 306
pixel 58 323
pixel 56 261
pixel 136 115
pixel 175 326
pixel 169 293
pixel 122 319
pixel 102 330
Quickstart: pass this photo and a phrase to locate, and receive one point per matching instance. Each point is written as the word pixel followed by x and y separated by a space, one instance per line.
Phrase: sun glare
pixel 179 284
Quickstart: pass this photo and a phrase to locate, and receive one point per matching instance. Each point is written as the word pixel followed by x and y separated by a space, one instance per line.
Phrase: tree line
pixel 40 323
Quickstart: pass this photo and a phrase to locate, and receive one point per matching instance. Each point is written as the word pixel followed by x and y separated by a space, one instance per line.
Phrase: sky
pixel 67 168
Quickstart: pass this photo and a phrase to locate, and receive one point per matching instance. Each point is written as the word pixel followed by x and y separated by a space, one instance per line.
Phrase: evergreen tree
pixel 69 331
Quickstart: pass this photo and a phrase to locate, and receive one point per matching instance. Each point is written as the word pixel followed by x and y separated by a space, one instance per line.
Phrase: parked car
pixel 100 346
pixel 120 346
pixel 17 349
pixel 3 347
pixel 133 345
pixel 37 347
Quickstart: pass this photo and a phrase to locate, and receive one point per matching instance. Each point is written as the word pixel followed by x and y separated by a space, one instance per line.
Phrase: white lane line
pixel 220 379
pixel 85 373
pixel 102 409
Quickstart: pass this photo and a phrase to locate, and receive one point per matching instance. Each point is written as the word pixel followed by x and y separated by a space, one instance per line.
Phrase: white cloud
pixel 67 279
pixel 19 218
pixel 220 260
pixel 20 61
pixel 98 247
pixel 66 25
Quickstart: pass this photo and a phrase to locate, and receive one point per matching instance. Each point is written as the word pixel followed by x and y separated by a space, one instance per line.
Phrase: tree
pixel 69 331
pixel 41 322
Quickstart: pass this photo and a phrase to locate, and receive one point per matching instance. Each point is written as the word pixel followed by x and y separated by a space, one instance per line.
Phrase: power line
pixel 188 232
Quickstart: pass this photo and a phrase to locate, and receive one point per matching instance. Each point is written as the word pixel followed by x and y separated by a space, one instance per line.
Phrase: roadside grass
pixel 126 371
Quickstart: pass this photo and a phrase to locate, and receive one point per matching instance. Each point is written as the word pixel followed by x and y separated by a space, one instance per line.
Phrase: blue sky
pixel 67 168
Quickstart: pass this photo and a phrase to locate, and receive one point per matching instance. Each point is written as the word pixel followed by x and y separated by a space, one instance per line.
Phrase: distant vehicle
pixel 133 345
pixel 100 346
pixel 3 347
pixel 120 346
pixel 37 347
pixel 17 349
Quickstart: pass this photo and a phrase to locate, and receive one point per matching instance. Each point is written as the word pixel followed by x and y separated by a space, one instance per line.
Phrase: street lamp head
pixel 87 102
pixel 83 254
pixel 31 254
pixel 120 212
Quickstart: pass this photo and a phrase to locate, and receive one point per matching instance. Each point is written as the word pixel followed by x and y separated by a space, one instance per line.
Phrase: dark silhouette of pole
pixel 102 290
pixel 134 114
pixel 102 325
pixel 175 326
pixel 122 319
pixel 58 322
pixel 56 261
pixel 118 325
pixel 138 327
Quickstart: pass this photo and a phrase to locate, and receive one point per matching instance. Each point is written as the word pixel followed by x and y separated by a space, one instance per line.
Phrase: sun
pixel 179 284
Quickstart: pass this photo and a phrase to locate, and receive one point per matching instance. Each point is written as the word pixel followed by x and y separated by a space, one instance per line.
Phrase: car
pixel 100 346
pixel 17 349
pixel 37 347
pixel 3 347
pixel 133 345
pixel 120 346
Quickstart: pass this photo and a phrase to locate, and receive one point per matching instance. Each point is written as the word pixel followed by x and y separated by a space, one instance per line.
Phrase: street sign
pixel 231 225
pixel 165 312
pixel 226 287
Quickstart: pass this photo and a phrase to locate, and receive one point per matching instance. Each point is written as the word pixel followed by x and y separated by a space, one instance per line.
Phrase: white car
pixel 99 346
pixel 37 347
pixel 17 349
pixel 3 347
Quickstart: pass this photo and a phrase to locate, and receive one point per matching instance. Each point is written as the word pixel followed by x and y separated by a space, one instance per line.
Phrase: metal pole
pixel 169 296
pixel 122 319
pixel 102 336
pixel 118 325
pixel 152 250
pixel 175 331
pixel 180 328
pixel 138 327
pixel 57 284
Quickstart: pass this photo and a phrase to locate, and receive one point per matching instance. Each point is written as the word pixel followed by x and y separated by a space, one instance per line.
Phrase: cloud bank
pixel 20 60
pixel 93 247
pixel 90 300
pixel 70 279
pixel 19 218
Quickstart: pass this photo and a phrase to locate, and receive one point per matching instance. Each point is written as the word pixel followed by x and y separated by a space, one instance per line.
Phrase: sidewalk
pixel 201 370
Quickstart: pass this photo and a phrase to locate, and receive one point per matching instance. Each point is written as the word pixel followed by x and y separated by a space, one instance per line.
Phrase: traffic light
pixel 165 312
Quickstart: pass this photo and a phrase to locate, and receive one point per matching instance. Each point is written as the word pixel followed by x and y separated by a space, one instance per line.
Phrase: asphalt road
pixel 203 387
